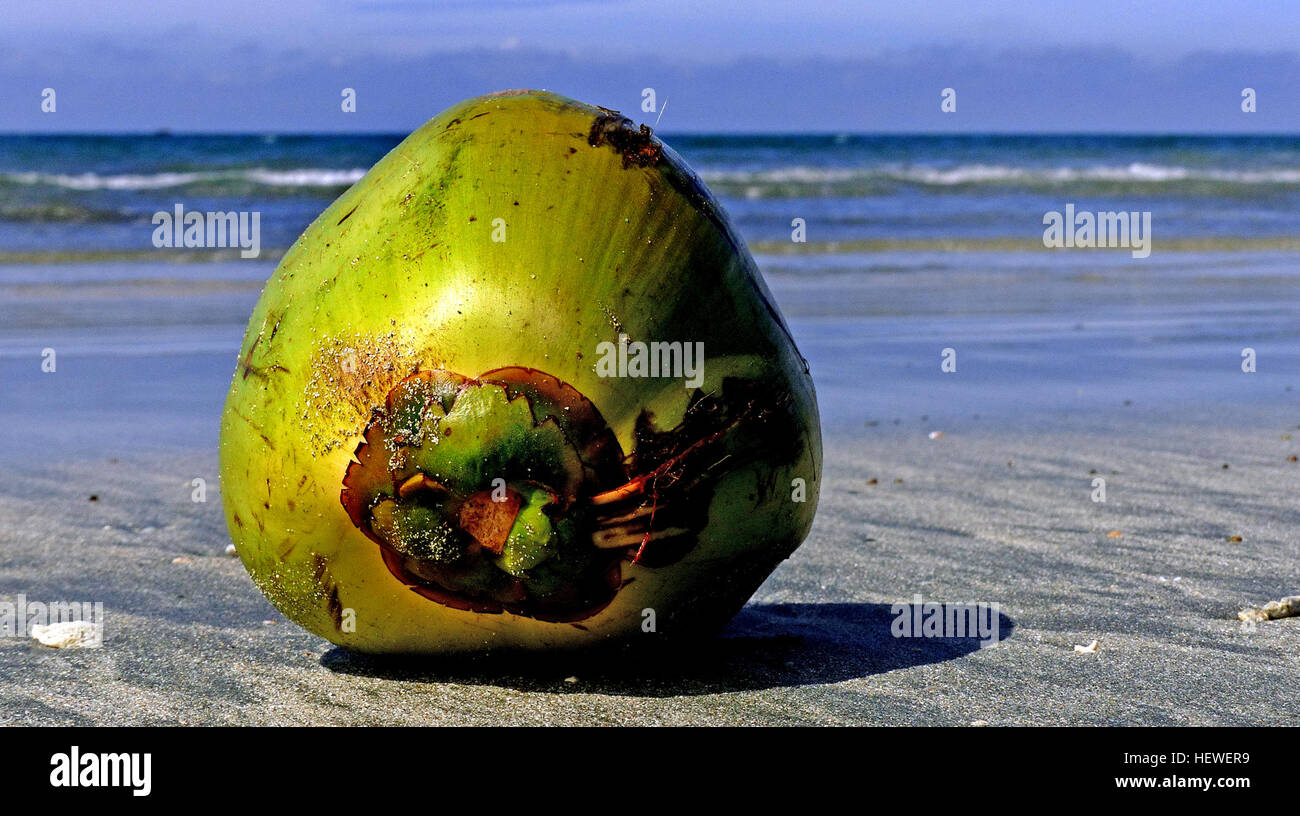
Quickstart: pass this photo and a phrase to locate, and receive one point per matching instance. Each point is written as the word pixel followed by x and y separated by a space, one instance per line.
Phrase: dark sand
pixel 195 643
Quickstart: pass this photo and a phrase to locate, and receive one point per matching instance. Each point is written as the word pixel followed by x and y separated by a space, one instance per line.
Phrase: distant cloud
pixel 190 76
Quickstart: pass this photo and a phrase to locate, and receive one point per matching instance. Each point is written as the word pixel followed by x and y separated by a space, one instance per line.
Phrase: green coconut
pixel 520 387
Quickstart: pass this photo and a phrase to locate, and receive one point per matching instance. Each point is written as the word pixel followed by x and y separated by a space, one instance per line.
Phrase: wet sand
pixel 1065 377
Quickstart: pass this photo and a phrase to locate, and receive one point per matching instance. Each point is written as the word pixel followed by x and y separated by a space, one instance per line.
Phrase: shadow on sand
pixel 765 646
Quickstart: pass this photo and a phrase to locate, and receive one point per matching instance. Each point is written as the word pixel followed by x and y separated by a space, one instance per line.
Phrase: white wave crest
pixel 1136 172
pixel 306 177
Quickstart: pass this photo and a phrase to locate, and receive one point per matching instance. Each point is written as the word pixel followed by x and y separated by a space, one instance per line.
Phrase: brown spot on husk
pixel 638 146
pixel 329 589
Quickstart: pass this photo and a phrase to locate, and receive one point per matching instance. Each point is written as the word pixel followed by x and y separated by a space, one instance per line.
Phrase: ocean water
pixel 86 193
pixel 914 245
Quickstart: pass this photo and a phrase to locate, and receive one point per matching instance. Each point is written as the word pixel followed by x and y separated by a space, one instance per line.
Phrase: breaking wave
pixel 805 180
pixel 233 179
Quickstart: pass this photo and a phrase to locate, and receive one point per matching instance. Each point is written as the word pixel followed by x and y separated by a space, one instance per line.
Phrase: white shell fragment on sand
pixel 1091 648
pixel 70 635
pixel 1286 608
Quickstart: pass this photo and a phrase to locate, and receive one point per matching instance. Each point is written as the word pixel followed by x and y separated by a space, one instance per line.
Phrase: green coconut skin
pixel 521 229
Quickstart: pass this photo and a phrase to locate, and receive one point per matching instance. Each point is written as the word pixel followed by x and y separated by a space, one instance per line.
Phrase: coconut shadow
pixel 764 646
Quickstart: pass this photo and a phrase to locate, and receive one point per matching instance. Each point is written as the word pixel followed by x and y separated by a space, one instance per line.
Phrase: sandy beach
pixel 996 517
pixel 996 508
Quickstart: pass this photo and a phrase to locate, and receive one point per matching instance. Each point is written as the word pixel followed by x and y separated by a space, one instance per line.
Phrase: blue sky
pixel 1017 65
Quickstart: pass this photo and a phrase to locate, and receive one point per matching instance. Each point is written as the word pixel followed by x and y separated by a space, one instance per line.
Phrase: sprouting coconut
pixel 521 387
